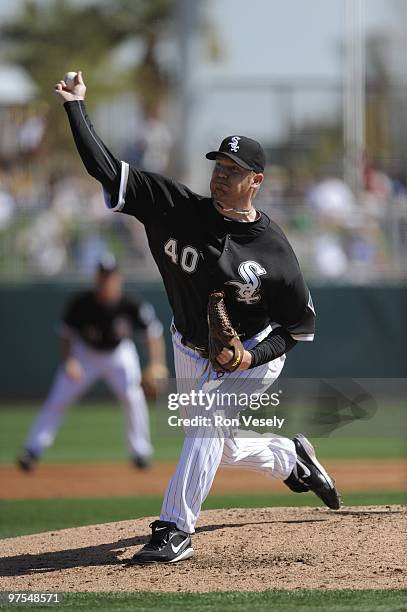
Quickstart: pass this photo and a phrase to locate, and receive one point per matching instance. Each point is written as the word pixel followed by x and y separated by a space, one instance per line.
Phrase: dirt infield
pixel 110 479
pixel 242 550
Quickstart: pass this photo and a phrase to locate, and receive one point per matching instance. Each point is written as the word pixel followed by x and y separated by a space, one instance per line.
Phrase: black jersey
pixel 197 250
pixel 103 326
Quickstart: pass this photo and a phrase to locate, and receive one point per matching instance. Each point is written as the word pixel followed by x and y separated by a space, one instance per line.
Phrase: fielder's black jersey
pixel 198 250
pixel 103 326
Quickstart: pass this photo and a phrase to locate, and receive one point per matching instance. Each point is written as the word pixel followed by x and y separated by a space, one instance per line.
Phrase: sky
pixel 288 38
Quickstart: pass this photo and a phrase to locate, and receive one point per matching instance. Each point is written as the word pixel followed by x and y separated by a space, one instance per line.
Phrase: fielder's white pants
pixel 205 450
pixel 120 369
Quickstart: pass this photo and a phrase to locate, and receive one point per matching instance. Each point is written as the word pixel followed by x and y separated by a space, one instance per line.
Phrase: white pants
pixel 120 369
pixel 204 451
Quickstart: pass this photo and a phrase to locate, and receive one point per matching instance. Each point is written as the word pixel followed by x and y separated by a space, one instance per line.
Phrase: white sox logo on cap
pixel 248 291
pixel 246 152
pixel 234 144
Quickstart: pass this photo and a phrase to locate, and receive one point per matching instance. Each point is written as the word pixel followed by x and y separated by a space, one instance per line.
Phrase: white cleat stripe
pixel 311 454
pixel 188 552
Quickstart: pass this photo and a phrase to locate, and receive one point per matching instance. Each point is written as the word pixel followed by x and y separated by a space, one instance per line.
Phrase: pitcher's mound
pixel 235 550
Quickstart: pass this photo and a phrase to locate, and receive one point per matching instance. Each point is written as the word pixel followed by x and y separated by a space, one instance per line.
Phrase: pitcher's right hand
pixel 77 92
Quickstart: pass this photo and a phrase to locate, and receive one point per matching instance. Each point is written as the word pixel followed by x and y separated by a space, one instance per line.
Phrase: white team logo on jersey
pixel 234 144
pixel 248 291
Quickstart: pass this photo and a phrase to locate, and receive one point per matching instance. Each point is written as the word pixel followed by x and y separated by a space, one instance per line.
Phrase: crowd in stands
pixel 337 236
pixel 55 223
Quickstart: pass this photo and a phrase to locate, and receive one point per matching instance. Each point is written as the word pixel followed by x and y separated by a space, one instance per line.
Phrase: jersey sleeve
pixel 144 318
pixel 296 311
pixel 148 196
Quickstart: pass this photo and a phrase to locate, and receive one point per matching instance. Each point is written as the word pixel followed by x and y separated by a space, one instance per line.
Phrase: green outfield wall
pixel 361 333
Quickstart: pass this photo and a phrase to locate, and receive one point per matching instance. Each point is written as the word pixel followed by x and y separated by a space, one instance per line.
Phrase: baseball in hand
pixel 69 79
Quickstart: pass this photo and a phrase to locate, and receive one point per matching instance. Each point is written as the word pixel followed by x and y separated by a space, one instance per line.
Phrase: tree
pixel 49 38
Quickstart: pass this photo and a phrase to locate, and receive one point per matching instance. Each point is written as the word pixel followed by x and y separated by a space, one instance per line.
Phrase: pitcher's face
pixel 231 184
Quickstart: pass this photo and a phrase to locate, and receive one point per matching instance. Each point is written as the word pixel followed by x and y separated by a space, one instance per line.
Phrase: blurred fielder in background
pixel 96 343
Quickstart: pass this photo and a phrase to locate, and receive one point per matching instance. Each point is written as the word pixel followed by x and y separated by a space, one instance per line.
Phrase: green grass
pixel 19 517
pixel 90 432
pixel 94 432
pixel 278 601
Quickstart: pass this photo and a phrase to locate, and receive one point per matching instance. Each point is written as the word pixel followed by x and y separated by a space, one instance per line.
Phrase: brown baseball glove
pixel 222 334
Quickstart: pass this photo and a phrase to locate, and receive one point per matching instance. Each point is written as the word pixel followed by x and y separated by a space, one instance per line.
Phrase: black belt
pixel 202 351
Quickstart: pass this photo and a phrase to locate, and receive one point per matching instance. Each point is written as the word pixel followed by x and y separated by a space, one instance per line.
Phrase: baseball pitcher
pixel 229 271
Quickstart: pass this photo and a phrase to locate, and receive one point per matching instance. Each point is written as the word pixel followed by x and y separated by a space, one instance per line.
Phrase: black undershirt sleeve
pixel 97 159
pixel 144 195
pixel 278 342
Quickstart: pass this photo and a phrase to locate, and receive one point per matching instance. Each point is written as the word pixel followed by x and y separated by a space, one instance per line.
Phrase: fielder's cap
pixel 107 263
pixel 246 152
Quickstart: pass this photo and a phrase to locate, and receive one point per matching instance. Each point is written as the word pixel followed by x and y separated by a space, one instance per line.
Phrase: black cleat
pixel 295 484
pixel 141 463
pixel 310 475
pixel 27 461
pixel 167 544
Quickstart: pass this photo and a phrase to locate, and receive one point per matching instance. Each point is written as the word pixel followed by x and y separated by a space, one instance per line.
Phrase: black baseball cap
pixel 245 151
pixel 107 264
